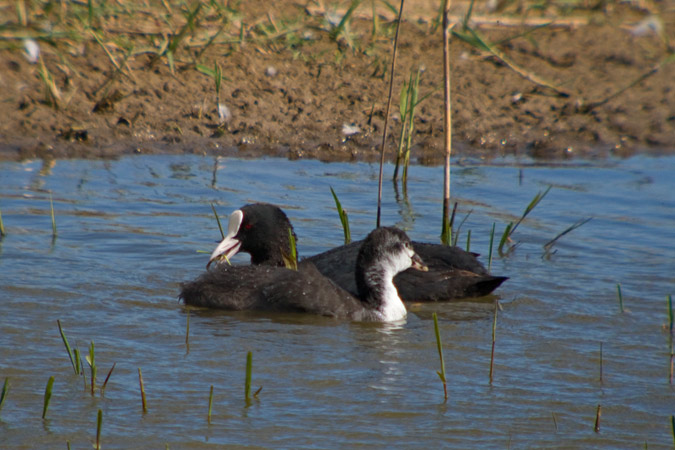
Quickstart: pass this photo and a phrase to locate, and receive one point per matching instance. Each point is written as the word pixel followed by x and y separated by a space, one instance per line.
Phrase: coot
pixel 384 253
pixel 262 230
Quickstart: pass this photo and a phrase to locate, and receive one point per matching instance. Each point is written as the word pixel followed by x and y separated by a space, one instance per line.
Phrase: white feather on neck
pixel 391 307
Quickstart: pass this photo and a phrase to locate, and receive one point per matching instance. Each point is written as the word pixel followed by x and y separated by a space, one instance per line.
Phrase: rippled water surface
pixel 130 230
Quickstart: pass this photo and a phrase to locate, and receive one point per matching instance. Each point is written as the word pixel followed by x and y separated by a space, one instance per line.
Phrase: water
pixel 130 230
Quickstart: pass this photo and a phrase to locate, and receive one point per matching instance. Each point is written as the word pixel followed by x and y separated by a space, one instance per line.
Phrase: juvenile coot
pixel 384 253
pixel 261 230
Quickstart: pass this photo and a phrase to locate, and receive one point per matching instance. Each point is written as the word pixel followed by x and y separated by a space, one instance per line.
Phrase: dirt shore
pixel 323 96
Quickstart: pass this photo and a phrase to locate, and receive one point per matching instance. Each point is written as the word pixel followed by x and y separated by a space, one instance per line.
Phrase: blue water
pixel 130 230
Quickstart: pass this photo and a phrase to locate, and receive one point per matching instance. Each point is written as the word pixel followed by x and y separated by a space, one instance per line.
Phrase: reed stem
pixel 598 413
pixel 51 205
pixel 386 114
pixel 494 341
pixel 447 128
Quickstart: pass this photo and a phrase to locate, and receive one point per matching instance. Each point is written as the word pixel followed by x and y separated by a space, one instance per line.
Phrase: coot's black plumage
pixel 261 230
pixel 385 252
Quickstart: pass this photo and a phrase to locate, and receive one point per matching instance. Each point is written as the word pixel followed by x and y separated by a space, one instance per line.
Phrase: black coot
pixel 384 253
pixel 262 230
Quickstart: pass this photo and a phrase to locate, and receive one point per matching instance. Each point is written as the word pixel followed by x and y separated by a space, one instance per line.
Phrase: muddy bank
pixel 319 97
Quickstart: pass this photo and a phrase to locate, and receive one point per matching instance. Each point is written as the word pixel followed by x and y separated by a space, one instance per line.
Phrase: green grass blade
pixel 572 227
pixel 210 404
pixel 99 425
pixel 494 341
pixel 291 261
pixel 492 238
pixel 2 227
pixel 505 236
pixel 441 373
pixel 107 378
pixel 535 201
pixel 140 382
pixel 5 391
pixel 187 330
pixel 92 365
pixel 48 396
pixel 51 204
pixel 468 241
pixel 335 33
pixel 620 296
pixel 670 313
pixel 344 219
pixel 79 367
pixel 220 226
pixel 65 342
pixel 247 382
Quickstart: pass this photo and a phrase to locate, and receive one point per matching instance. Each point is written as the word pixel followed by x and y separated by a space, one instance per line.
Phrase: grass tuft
pixel 52 92
pixel 441 373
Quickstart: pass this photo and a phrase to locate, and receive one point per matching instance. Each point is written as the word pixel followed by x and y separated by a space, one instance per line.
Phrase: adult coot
pixel 262 230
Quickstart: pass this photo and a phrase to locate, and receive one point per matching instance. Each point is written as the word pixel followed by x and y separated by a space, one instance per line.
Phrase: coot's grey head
pixel 390 247
pixel 384 253
pixel 259 229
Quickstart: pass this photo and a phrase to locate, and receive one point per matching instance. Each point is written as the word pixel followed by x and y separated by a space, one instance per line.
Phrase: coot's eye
pixel 248 226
